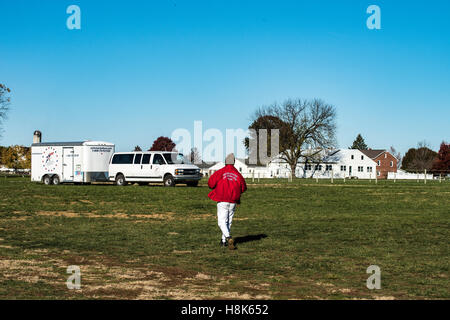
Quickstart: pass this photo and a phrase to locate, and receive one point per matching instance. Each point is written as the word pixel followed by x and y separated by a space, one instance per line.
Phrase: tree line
pixel 15 157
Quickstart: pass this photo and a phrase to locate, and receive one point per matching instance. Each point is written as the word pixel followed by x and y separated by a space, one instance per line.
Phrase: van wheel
pixel 56 180
pixel 47 180
pixel 120 180
pixel 192 184
pixel 169 181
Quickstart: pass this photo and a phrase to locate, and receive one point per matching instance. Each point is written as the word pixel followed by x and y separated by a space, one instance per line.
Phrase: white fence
pixel 402 175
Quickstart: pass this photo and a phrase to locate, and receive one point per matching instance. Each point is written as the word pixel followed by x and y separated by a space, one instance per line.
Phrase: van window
pixel 146 158
pixel 137 158
pixel 174 158
pixel 158 159
pixel 123 158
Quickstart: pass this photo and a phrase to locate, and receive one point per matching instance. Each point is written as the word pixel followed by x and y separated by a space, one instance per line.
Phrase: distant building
pixel 341 163
pixel 386 162
pixel 204 168
pixel 247 170
pixel 324 164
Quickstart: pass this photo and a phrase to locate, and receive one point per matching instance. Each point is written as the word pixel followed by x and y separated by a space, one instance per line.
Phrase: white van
pixel 153 166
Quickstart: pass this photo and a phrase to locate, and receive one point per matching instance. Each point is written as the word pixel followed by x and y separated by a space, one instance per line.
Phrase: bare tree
pixel 256 133
pixel 310 123
pixel 4 103
pixel 398 155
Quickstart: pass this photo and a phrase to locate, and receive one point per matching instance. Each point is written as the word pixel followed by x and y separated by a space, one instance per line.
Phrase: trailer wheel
pixel 56 180
pixel 120 180
pixel 47 180
pixel 169 181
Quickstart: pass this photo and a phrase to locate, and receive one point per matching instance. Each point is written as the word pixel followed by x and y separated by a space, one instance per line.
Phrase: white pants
pixel 225 213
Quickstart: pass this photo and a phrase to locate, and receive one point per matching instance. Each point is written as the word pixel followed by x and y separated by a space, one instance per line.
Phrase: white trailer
pixel 75 162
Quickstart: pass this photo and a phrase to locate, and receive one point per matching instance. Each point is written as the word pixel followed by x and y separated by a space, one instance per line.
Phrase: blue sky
pixel 140 69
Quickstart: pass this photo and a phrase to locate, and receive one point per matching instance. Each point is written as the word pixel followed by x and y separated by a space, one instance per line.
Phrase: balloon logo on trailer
pixel 50 159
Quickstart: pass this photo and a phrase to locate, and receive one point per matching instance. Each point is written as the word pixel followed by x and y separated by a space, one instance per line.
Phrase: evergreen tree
pixel 359 143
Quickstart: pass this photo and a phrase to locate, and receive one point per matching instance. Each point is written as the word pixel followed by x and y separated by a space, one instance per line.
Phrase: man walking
pixel 227 184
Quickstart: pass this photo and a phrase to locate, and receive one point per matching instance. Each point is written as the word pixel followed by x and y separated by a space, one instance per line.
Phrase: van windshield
pixel 175 158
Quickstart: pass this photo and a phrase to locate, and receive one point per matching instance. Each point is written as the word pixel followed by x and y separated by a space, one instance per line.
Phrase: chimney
pixel 37 136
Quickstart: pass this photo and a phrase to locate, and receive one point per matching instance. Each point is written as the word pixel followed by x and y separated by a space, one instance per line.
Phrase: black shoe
pixel 223 244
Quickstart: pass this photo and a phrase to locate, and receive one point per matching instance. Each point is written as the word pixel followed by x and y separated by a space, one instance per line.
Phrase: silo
pixel 37 136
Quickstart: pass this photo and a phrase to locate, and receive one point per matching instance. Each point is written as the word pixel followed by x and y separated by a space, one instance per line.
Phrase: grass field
pixel 298 240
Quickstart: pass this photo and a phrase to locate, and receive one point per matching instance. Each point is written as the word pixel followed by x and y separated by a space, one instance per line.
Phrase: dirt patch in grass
pixel 28 270
pixel 86 201
pixel 118 215
pixel 102 279
pixel 58 214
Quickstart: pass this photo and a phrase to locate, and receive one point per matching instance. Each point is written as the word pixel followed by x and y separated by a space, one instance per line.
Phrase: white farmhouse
pixel 341 163
pixel 348 163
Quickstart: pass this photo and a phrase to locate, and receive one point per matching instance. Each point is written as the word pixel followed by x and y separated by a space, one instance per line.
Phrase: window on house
pixel 362 157
pixel 378 162
pixel 328 167
pixel 385 155
pixel 318 167
pixel 353 157
pixel 378 173
pixel 369 169
pixel 360 169
pixel 392 163
pixel 308 167
pixel 343 168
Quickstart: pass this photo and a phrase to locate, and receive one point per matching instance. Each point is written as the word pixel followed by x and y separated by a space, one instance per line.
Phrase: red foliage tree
pixel 442 163
pixel 162 144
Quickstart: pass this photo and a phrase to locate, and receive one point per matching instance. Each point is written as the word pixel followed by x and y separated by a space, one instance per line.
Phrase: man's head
pixel 230 159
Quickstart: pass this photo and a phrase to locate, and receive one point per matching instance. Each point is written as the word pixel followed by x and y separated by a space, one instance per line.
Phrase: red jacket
pixel 227 184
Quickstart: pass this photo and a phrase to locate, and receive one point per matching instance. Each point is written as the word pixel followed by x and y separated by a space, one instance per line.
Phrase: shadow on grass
pixel 249 238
